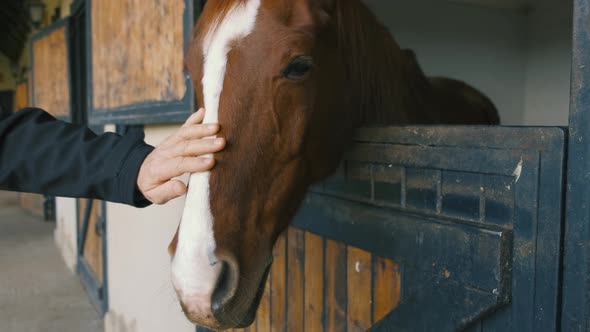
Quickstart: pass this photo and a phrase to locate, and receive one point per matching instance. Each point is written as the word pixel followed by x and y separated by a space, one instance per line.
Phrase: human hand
pixel 181 153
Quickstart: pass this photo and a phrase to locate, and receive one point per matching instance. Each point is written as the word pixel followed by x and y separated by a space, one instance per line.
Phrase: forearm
pixel 41 154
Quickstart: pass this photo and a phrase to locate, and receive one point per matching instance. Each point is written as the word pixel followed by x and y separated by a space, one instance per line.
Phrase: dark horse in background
pixel 288 81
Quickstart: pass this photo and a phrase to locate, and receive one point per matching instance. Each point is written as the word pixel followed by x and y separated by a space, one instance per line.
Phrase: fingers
pixel 195 118
pixel 192 129
pixel 178 166
pixel 193 132
pixel 183 152
pixel 198 147
pixel 166 192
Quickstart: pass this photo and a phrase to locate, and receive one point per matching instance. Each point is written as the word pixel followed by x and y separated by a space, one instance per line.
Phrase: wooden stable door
pixel 426 229
pixel 21 96
pixel 91 250
pixel 91 213
pixel 318 284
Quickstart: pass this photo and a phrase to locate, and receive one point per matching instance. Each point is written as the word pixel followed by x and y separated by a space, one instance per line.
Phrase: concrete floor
pixel 37 291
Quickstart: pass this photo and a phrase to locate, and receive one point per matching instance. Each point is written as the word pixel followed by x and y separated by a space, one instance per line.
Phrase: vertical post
pixel 575 310
pixel 48 208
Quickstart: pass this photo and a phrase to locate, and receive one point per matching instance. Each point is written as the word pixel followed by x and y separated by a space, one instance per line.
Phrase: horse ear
pixel 327 5
pixel 314 11
pixel 326 8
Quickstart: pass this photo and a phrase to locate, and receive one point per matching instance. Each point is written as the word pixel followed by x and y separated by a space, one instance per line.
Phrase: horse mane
pixel 386 85
pixel 386 88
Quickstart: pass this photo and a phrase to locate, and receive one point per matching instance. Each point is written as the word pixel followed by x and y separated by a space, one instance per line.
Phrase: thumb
pixel 166 192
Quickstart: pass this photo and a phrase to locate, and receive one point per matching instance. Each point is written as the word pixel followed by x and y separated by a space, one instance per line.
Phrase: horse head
pixel 287 80
pixel 269 73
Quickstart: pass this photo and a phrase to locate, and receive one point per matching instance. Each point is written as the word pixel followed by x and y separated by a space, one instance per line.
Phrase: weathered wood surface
pixel 93 241
pixel 51 90
pixel 314 282
pixel 386 287
pixel 278 286
pixel 317 284
pixel 335 287
pixel 137 52
pixel 21 96
pixel 295 279
pixel 359 271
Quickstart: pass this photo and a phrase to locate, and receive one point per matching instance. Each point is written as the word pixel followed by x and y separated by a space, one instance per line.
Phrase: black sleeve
pixel 40 154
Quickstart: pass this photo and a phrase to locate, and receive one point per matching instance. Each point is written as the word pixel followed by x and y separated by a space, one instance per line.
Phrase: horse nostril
pixel 226 286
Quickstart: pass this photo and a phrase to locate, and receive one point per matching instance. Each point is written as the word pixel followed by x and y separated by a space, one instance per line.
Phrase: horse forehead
pixel 233 21
pixel 232 10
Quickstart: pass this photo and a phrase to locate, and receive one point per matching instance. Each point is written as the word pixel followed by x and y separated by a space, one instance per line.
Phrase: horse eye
pixel 298 69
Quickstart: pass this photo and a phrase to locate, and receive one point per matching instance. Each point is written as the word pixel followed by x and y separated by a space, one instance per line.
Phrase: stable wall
pixel 548 64
pixel 480 46
pixel 65 230
pixel 141 297
pixel 520 59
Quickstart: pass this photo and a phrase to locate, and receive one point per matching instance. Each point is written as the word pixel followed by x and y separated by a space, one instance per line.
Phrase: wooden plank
pixel 295 280
pixel 50 73
pixel 386 287
pixel 81 211
pixel 252 328
pixel 21 96
pixel 314 282
pixel 335 286
pixel 359 289
pixel 133 59
pixel 263 315
pixel 278 281
pixel 93 243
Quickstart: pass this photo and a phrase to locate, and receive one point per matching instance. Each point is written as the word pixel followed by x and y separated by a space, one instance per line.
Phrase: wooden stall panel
pixel 318 284
pixel 92 253
pixel 295 279
pixel 335 286
pixel 21 96
pixel 81 208
pixel 93 245
pixel 51 90
pixel 314 282
pixel 359 285
pixel 386 287
pixel 278 286
pixel 264 310
pixel 137 52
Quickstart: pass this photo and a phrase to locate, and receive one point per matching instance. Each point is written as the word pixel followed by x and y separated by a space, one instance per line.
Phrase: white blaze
pixel 192 269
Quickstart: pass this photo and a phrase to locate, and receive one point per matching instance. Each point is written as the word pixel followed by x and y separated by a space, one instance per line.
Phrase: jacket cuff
pixel 130 193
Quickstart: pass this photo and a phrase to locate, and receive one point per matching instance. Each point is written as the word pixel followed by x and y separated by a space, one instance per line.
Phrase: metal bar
pixel 105 265
pixel 94 290
pixel 575 311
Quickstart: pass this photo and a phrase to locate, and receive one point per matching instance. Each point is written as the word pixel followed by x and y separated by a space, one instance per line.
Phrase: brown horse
pixel 459 102
pixel 288 80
